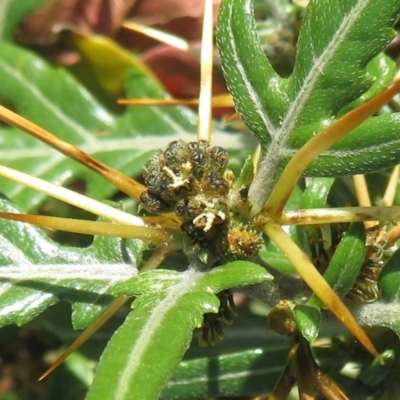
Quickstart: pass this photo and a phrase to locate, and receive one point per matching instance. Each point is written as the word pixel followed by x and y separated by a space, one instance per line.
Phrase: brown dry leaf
pixel 183 18
pixel 86 16
pixel 106 16
pixel 179 71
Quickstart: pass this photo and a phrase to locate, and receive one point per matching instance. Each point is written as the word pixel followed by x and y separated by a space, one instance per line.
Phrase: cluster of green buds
pixel 191 180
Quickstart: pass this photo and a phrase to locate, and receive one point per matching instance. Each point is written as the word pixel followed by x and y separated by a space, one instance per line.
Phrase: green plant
pixel 339 66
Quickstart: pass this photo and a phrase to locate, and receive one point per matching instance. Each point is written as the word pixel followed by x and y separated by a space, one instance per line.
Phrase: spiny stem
pixel 391 188
pixel 393 235
pixel 162 37
pixel 206 67
pixel 317 283
pixel 308 369
pixel 114 306
pixel 318 144
pixel 363 198
pixel 220 101
pixel 319 216
pixel 362 193
pixel 284 385
pixel 71 197
pixel 156 258
pixel 119 180
pixel 99 228
pixel 158 102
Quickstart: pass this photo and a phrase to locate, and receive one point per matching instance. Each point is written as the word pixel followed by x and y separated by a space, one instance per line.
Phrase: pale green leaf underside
pixel 36 272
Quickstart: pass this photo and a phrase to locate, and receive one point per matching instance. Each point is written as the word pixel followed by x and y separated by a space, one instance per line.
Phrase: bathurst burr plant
pixel 213 218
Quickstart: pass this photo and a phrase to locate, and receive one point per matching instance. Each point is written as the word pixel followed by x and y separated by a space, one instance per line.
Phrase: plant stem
pixel 206 65
pixel 147 233
pixel 319 216
pixel 71 197
pixel 317 283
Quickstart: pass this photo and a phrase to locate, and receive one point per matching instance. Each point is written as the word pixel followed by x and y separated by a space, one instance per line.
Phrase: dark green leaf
pixel 245 373
pixel 371 147
pixel 316 193
pixel 376 372
pixel 252 82
pixel 308 320
pixel 346 262
pixel 330 72
pixel 389 279
pixel 231 275
pixel 382 68
pixel 330 69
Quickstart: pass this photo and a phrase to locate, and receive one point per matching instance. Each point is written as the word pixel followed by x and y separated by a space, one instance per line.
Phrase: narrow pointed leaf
pixel 252 82
pixel 389 279
pixel 346 263
pixel 308 320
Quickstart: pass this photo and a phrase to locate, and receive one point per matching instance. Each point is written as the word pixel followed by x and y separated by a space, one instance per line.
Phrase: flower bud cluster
pixel 190 179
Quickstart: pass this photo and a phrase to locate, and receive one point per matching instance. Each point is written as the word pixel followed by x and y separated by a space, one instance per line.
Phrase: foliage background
pixel 77 102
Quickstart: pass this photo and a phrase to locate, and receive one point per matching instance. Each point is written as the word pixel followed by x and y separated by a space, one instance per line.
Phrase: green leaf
pixel 389 279
pixel 372 146
pixel 230 275
pixel 308 320
pixel 330 69
pixel 376 371
pixel 236 374
pixel 330 72
pixel 316 193
pixel 12 12
pixel 36 273
pixel 252 82
pixel 346 263
pixel 382 68
pixel 124 139
pixel 156 334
